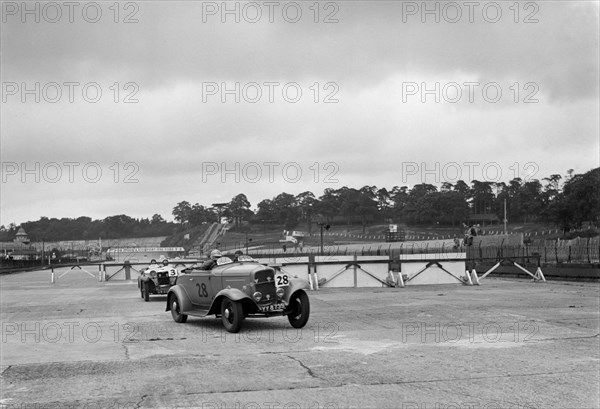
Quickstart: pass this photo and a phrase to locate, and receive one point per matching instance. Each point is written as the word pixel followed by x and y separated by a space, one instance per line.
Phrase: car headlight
pixel 280 292
pixel 257 296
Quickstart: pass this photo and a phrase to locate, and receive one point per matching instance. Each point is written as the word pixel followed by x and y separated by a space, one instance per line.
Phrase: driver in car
pixel 212 261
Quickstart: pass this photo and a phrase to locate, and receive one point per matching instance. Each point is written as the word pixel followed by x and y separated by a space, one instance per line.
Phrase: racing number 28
pixel 282 280
pixel 202 290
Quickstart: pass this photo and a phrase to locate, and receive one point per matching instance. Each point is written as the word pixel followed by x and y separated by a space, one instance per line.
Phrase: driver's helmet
pixel 215 254
pixel 165 262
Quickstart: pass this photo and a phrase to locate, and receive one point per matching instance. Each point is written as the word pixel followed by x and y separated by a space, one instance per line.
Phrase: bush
pixel 591 232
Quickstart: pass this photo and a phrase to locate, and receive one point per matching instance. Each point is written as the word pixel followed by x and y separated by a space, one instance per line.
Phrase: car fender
pixel 295 285
pixel 185 304
pixel 149 280
pixel 233 294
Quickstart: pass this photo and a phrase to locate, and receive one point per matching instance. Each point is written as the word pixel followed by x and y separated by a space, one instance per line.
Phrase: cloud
pixel 171 58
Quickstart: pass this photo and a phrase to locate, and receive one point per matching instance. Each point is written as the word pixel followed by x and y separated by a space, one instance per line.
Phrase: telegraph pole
pixel 326 226
pixel 505 216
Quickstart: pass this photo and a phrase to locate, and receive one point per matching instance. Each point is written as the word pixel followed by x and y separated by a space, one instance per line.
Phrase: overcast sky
pixel 329 94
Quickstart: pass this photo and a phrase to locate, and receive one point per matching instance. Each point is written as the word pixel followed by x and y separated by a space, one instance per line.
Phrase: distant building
pixel 19 248
pixel 22 236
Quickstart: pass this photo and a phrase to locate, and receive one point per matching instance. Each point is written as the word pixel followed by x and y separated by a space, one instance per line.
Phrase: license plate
pixel 282 280
pixel 272 307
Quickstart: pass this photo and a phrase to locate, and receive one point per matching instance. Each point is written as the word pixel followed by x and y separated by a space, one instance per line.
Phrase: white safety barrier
pixel 537 276
pixel 374 271
pixel 418 269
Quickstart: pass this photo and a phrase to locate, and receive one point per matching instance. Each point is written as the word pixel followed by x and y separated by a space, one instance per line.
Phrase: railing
pixel 582 253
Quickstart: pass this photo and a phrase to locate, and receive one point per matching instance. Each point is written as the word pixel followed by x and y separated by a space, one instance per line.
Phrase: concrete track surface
pixel 80 343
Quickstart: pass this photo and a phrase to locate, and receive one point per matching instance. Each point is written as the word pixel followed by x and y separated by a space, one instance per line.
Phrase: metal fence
pixel 585 251
pixel 581 253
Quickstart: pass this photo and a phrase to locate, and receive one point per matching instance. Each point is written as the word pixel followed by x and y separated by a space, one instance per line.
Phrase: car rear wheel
pixel 232 314
pixel 146 287
pixel 176 310
pixel 299 309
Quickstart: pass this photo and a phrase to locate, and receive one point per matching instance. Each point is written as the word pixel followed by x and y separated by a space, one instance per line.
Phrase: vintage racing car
pixel 237 290
pixel 156 279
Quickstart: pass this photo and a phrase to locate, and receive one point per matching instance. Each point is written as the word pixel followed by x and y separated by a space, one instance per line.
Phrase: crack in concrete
pixel 341 385
pixel 164 339
pixel 481 377
pixel 310 372
pixel 281 352
pixel 5 369
pixel 140 402
pixel 561 339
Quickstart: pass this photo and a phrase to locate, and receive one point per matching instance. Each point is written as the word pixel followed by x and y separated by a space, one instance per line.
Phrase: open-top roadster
pixel 237 290
pixel 156 279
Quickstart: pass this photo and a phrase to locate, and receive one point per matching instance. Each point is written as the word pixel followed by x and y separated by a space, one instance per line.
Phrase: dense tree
pixel 84 228
pixel 266 211
pixel 181 212
pixel 157 219
pixel 384 202
pixel 286 211
pixel 580 200
pixel 307 204
pixel 199 214
pixel 238 209
pixel 400 201
pixel 483 196
pixel 570 205
pixel 329 204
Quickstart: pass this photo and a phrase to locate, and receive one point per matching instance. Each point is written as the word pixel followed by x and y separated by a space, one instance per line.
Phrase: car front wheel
pixel 232 314
pixel 176 310
pixel 299 309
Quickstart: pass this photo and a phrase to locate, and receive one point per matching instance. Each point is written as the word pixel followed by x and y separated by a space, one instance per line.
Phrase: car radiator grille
pixel 266 285
pixel 163 279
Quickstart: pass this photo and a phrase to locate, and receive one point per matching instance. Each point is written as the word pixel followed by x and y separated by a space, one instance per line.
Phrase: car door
pixel 199 288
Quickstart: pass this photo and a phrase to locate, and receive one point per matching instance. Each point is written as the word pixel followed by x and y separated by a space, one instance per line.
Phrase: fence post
pixel 588 250
pixel 355 271
pixel 127 270
pixel 569 259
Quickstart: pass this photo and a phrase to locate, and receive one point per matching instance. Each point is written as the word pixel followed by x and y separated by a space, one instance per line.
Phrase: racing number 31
pixel 202 290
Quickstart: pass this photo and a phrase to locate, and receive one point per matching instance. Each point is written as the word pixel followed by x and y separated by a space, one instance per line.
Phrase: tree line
pixel 84 228
pixel 566 202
